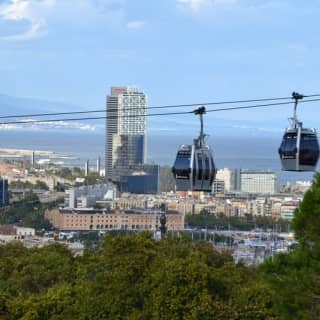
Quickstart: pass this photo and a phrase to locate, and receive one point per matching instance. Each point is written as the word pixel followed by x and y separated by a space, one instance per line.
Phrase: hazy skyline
pixel 177 51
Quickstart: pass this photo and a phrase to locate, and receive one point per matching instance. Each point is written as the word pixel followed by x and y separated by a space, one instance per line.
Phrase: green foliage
pixel 18 184
pixel 71 174
pixel 294 278
pixel 66 173
pixel 94 178
pixel 25 214
pixel 41 185
pixel 306 222
pixel 129 277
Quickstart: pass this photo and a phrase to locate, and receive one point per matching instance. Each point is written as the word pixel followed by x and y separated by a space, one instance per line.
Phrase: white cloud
pixel 197 5
pixel 135 25
pixel 42 14
pixel 26 125
pixel 32 11
pixel 193 4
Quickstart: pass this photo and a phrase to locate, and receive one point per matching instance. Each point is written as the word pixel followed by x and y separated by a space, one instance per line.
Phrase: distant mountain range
pixel 11 106
pixel 15 105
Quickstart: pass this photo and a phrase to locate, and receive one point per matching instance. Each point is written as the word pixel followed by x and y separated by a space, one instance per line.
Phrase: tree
pixel 306 222
pixel 130 277
pixel 295 278
pixel 41 185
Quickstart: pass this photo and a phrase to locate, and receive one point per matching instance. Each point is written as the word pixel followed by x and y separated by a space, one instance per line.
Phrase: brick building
pixel 91 219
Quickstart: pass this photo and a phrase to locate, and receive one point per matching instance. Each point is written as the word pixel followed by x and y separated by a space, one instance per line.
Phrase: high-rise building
pixel 126 128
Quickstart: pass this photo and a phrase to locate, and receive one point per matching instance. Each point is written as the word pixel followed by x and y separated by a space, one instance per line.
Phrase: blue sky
pixel 177 51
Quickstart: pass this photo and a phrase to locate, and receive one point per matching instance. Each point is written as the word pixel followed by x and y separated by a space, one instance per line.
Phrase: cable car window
pixel 309 149
pixel 200 166
pixel 194 172
pixel 213 170
pixel 182 164
pixel 206 168
pixel 289 144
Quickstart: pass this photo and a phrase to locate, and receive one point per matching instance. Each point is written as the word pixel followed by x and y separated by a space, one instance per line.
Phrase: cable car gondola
pixel 194 168
pixel 299 150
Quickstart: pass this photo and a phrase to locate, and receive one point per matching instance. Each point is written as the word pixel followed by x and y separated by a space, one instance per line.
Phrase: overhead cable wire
pixel 156 114
pixel 155 107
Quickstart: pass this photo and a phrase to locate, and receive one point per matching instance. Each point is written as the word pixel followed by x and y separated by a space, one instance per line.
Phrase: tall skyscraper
pixel 126 128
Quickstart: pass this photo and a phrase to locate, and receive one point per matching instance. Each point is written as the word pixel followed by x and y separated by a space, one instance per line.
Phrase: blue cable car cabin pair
pixel 194 167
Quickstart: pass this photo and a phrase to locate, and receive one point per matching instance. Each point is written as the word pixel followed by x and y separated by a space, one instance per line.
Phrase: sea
pixel 246 152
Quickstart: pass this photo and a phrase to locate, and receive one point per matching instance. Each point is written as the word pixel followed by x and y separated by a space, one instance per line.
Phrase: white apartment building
pixel 288 208
pixel 264 182
pixel 126 128
pixel 86 196
pixel 225 176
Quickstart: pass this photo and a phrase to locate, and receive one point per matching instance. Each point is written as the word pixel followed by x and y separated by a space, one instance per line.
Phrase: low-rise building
pixel 91 219
pixel 288 208
pixel 10 233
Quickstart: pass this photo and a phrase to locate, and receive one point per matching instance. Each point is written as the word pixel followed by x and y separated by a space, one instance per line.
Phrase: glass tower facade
pixel 4 192
pixel 126 128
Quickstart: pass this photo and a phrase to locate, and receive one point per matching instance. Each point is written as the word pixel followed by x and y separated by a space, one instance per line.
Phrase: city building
pixel 87 196
pixel 218 186
pixel 235 180
pixel 4 192
pixel 264 182
pixel 126 128
pixel 10 233
pixel 102 220
pixel 225 175
pixel 288 208
pixel 144 180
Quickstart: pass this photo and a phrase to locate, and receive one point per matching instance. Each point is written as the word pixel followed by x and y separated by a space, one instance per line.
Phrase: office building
pixel 4 192
pixel 235 180
pixel 264 182
pixel 125 131
pixel 144 179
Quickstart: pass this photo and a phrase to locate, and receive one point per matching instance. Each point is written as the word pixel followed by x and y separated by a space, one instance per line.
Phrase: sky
pixel 176 51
